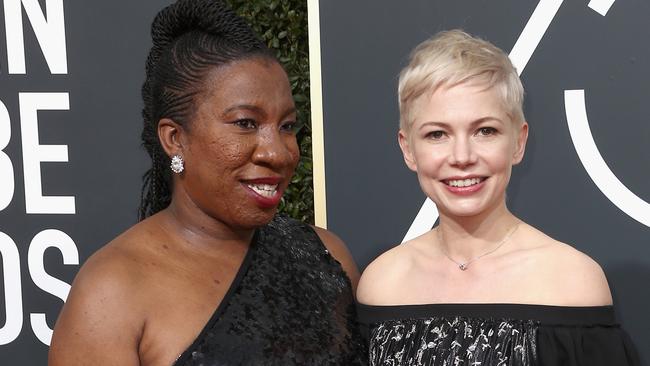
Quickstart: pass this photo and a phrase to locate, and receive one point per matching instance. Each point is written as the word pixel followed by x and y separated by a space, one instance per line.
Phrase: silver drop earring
pixel 177 164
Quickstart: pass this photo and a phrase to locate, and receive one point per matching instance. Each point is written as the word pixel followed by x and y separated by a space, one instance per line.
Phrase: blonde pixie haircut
pixel 453 57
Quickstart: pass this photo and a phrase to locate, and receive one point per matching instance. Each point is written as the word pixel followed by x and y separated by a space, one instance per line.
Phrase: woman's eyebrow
pixel 248 107
pixel 472 124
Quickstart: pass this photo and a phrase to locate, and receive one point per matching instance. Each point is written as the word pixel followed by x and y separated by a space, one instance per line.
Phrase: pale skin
pixel 143 298
pixel 463 132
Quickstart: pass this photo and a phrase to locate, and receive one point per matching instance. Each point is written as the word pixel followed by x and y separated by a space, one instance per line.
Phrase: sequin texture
pixel 291 305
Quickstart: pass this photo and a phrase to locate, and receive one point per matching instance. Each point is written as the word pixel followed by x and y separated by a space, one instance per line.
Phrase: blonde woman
pixel 482 287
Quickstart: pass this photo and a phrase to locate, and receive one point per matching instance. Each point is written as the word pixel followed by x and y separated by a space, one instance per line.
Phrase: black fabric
pixel 290 304
pixel 495 335
pixel 586 345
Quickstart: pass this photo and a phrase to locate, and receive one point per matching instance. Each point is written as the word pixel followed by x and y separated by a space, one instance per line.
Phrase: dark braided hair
pixel 190 38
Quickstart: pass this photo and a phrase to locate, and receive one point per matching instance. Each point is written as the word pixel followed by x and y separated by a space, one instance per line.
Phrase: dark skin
pixel 144 297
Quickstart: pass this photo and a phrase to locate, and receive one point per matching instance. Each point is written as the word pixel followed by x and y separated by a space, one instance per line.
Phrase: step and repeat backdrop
pixel 585 178
pixel 70 156
pixel 71 162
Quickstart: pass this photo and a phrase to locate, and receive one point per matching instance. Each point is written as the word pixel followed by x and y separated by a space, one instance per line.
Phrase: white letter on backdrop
pixel 49 239
pixel 34 154
pixel 13 296
pixel 7 169
pixel 49 30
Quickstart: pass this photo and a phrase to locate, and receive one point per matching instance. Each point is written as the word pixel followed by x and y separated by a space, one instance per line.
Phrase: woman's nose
pixel 462 153
pixel 275 149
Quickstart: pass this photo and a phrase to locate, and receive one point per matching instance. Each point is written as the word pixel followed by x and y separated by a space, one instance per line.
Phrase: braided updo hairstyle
pixel 190 38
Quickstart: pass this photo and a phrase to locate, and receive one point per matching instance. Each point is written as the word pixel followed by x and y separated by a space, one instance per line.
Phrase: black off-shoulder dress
pixel 290 304
pixel 496 335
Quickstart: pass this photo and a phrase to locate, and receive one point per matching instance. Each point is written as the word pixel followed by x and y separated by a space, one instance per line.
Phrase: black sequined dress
pixel 289 304
pixel 496 335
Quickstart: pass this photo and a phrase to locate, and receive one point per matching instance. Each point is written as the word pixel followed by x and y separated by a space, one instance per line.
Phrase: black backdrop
pixel 373 199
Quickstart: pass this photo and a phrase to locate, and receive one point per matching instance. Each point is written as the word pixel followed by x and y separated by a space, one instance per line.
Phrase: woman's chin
pixel 256 219
pixel 465 209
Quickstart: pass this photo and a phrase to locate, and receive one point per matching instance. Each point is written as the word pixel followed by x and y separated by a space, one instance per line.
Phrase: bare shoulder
pixel 114 268
pixel 340 252
pixel 570 277
pixel 583 279
pixel 101 311
pixel 383 276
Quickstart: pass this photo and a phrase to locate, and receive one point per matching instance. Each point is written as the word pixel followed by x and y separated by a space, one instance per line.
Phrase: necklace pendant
pixel 462 266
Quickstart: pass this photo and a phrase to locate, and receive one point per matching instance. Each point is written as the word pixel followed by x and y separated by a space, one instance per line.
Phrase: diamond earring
pixel 177 164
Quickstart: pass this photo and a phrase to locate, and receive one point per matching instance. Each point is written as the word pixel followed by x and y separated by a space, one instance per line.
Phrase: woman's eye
pixel 436 135
pixel 290 127
pixel 486 131
pixel 245 123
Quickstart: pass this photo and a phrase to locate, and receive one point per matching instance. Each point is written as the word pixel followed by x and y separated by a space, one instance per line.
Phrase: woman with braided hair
pixel 210 275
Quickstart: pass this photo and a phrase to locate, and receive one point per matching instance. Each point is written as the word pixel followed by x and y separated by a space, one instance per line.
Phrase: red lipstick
pixel 262 200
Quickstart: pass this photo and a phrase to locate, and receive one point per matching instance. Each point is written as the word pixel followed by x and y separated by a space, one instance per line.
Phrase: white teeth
pixel 464 182
pixel 266 190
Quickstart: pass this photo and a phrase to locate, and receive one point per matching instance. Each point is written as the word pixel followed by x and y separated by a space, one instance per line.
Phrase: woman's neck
pixel 182 218
pixel 465 238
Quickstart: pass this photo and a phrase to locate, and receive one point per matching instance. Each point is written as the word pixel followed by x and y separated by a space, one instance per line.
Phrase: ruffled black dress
pixel 290 304
pixel 496 335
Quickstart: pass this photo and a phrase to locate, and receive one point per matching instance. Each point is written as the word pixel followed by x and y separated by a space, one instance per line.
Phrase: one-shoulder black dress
pixel 496 335
pixel 290 304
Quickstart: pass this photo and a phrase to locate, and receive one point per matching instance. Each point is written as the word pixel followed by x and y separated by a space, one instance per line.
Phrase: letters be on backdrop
pixel 49 30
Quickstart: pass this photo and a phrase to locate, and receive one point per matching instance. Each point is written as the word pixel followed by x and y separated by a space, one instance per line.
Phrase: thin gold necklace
pixel 464 265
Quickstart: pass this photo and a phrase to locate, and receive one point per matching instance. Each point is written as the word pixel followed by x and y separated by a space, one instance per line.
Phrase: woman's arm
pixel 99 324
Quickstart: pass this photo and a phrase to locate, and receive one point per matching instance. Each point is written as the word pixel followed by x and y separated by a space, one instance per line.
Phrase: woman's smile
pixel 464 186
pixel 266 192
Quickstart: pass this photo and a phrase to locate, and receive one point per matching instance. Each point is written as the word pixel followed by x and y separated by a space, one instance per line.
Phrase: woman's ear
pixel 520 147
pixel 170 134
pixel 402 138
